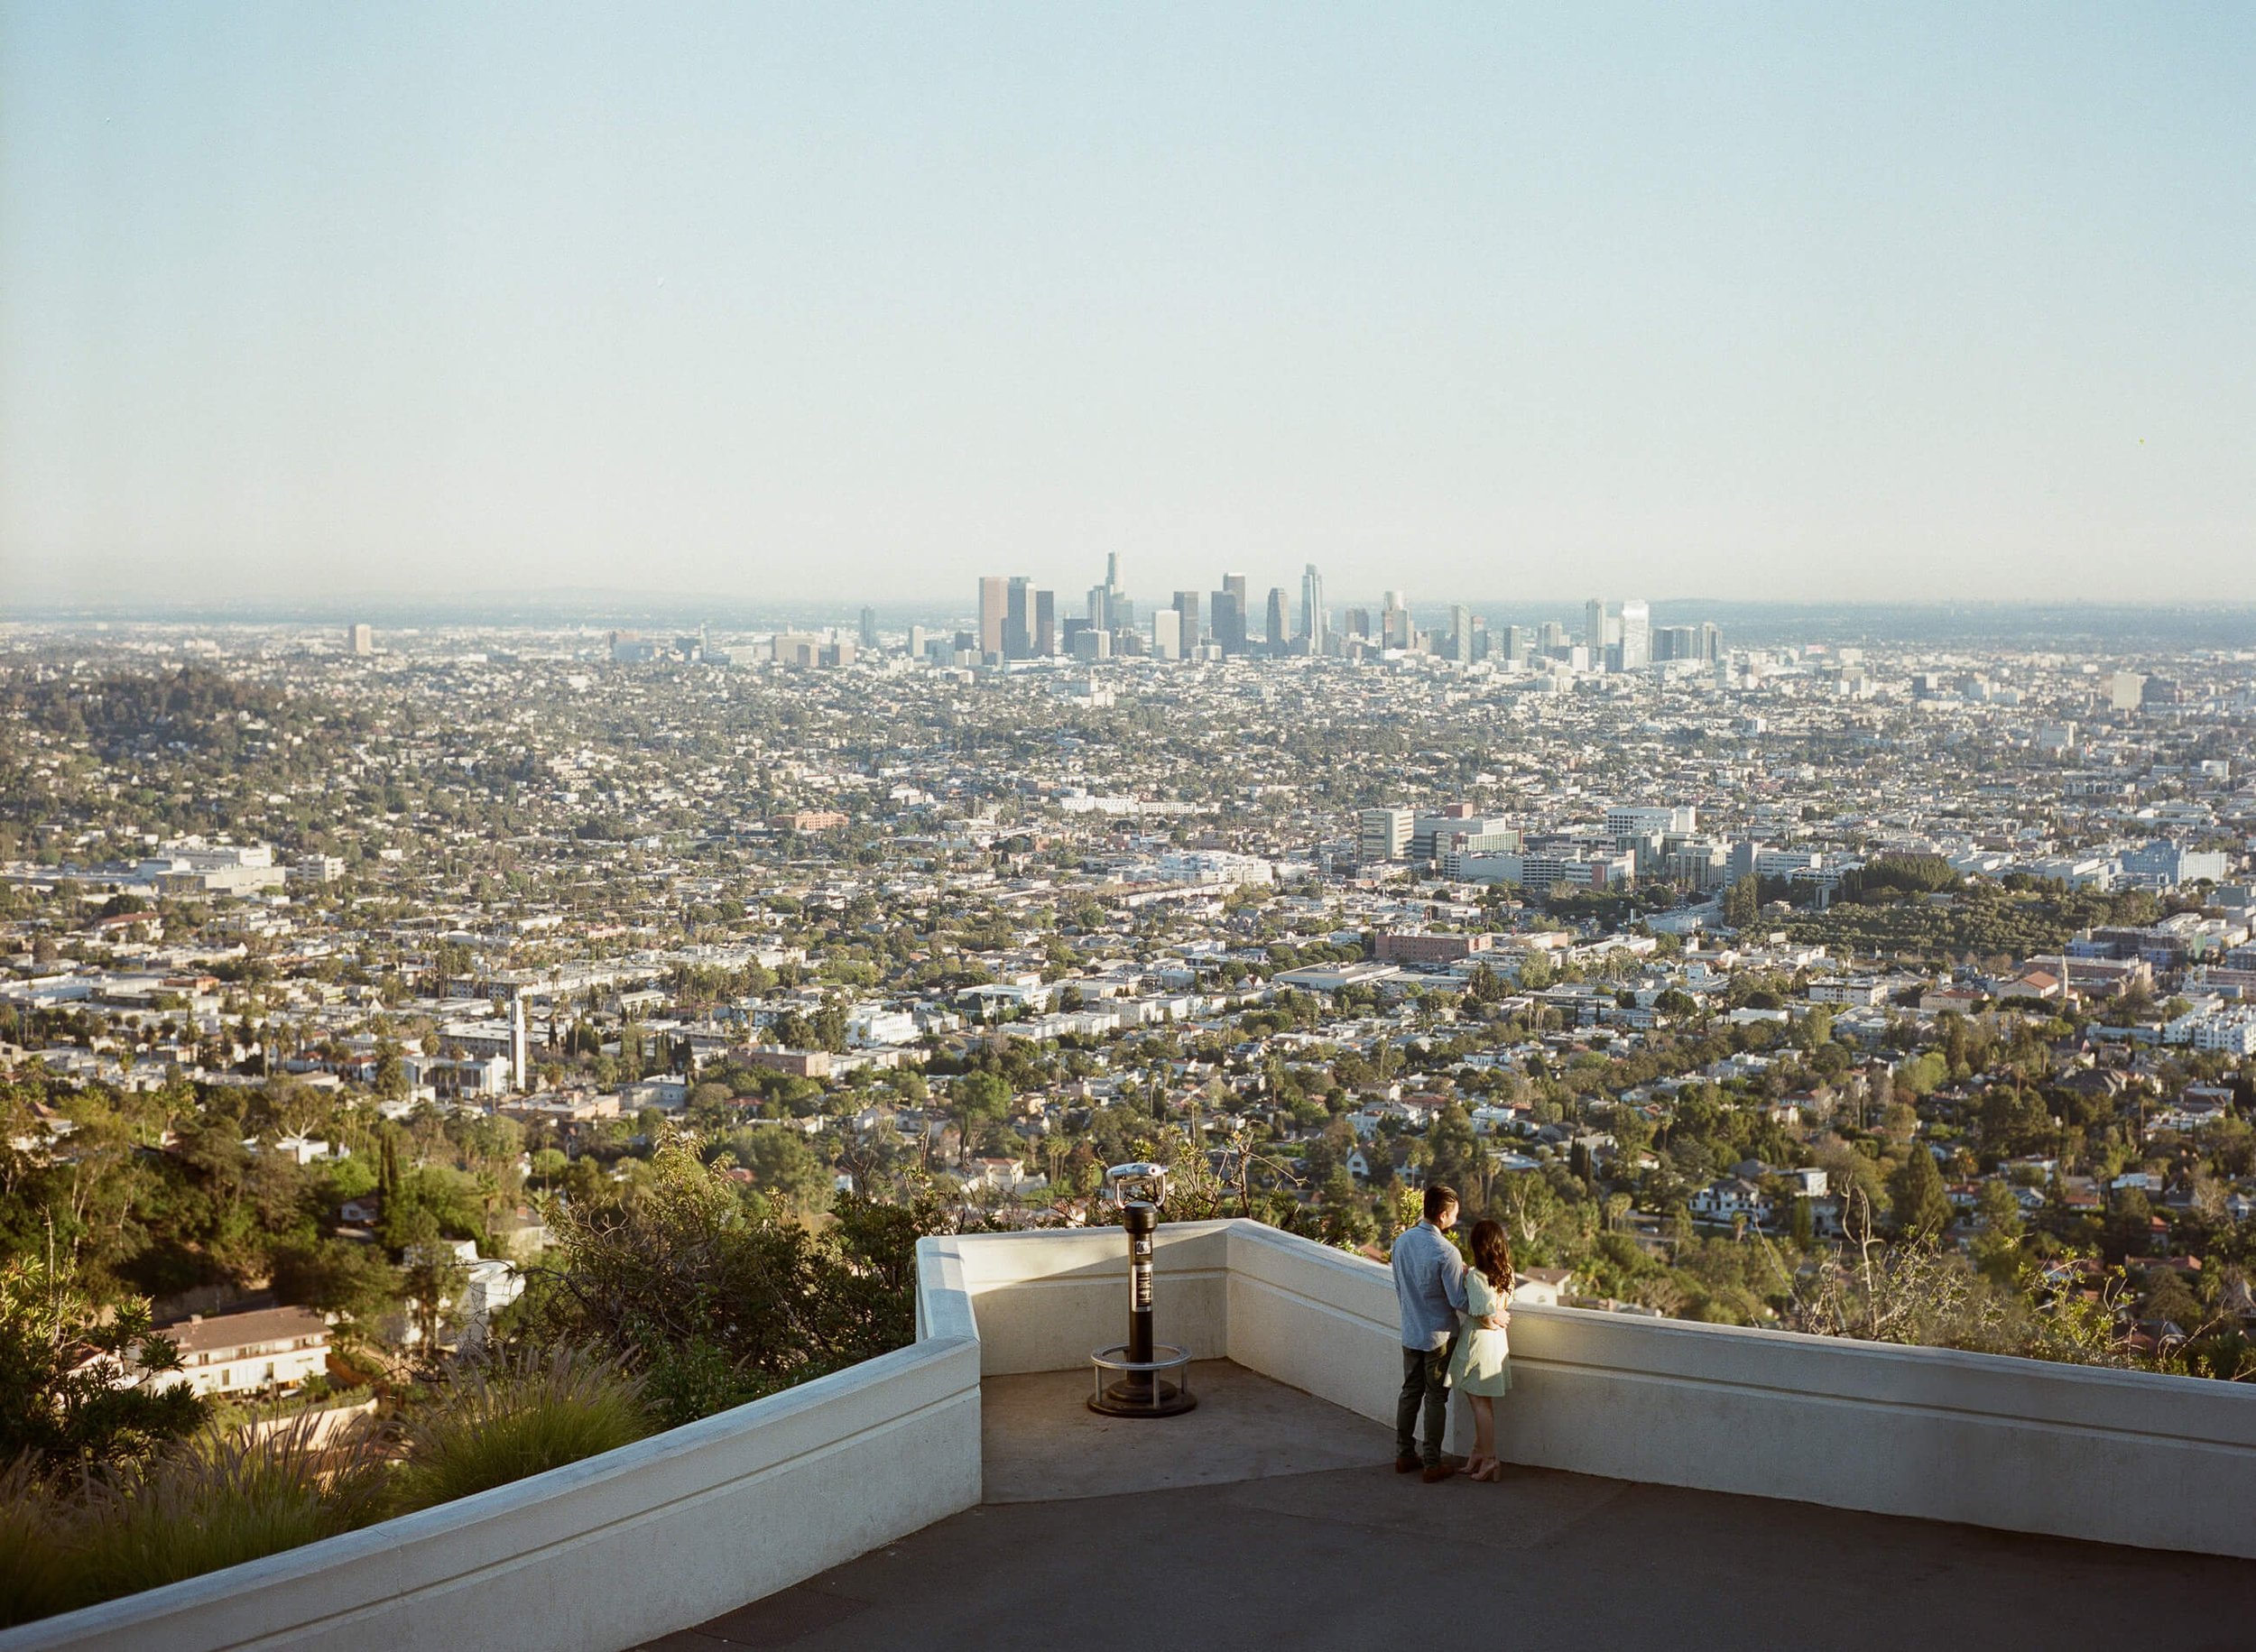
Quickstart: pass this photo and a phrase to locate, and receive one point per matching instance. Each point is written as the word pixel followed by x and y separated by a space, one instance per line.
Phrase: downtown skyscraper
pixel 1314 626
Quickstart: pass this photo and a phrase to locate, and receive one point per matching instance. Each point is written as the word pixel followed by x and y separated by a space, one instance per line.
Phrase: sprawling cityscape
pixel 1692 960
pixel 366 984
pixel 894 827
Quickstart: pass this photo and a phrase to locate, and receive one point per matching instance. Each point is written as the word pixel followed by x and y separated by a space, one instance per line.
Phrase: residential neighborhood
pixel 1921 946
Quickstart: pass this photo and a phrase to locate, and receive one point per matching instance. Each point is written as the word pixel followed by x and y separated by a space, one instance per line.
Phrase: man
pixel 1429 1289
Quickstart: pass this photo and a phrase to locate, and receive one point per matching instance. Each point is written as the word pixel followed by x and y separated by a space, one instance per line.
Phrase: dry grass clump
pixel 34 1554
pixel 521 1414
pixel 72 1537
pixel 219 1500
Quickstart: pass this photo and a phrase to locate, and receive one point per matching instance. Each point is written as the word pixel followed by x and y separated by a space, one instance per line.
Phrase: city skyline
pixel 1018 621
pixel 1857 308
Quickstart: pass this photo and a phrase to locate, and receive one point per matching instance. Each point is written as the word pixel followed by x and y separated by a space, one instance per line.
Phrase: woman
pixel 1480 1367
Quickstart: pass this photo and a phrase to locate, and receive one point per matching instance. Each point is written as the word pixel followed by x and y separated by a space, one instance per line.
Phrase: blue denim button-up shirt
pixel 1428 1285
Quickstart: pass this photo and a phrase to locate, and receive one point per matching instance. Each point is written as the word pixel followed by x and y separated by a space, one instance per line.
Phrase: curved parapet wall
pixel 621 1548
pixel 1047 1297
pixel 673 1530
pixel 2114 1456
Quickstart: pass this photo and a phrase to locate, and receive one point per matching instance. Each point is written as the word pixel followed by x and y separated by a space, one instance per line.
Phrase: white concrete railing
pixel 676 1529
pixel 1045 1299
pixel 624 1547
pixel 2114 1456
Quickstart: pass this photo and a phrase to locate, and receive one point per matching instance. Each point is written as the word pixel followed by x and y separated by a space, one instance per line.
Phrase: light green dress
pixel 1481 1365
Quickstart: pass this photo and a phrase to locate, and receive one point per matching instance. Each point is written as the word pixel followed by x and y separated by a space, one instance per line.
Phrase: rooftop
pixel 1268 1517
pixel 1673 1484
pixel 208 1333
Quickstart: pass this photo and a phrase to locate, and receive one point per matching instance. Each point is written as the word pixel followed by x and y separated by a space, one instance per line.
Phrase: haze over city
pixel 861 303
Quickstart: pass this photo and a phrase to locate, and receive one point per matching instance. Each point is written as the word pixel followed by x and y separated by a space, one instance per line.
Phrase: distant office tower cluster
pixel 1018 621
pixel 1458 842
pixel 633 647
pixel 1701 642
pixel 1622 638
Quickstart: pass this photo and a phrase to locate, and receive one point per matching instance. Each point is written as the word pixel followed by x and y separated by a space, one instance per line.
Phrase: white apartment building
pixel 1861 991
pixel 265 1349
pixel 192 866
pixel 2099 871
pixel 879 1025
pixel 1538 871
pixel 1432 836
pixel 1213 866
pixel 2160 863
pixel 1637 635
pixel 489 1285
pixel 2217 1028
pixel 1630 821
pixel 1167 634
pixel 1383 834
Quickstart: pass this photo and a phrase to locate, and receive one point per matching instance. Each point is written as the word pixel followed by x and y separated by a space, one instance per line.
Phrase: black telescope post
pixel 1141 1389
pixel 1142 1221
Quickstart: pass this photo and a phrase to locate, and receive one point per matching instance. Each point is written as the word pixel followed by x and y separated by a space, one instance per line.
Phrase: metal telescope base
pixel 1139 1387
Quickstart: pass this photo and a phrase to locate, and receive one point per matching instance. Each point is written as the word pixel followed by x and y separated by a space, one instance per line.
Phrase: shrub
pixel 62 1361
pixel 703 1285
pixel 521 1414
pixel 320 1393
pixel 34 1561
pixel 685 1381
pixel 217 1501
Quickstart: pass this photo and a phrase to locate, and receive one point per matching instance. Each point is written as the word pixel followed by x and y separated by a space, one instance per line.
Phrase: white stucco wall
pixel 2114 1456
pixel 2126 1457
pixel 676 1530
pixel 1046 1299
pixel 621 1548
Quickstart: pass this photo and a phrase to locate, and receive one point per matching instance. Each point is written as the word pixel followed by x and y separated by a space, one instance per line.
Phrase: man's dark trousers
pixel 1425 1383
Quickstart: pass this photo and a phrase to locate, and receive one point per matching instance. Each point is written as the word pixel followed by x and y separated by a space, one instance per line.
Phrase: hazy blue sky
pixel 1483 300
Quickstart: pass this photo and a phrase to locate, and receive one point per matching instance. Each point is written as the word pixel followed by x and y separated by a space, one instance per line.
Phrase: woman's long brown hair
pixel 1491 1254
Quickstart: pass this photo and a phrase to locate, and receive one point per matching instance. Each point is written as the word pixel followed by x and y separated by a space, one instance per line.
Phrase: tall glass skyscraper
pixel 992 601
pixel 1637 636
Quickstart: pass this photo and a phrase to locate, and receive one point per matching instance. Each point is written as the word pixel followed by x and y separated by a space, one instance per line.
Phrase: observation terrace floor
pixel 1269 1518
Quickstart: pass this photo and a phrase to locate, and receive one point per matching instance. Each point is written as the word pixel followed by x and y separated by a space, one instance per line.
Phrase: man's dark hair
pixel 1439 1197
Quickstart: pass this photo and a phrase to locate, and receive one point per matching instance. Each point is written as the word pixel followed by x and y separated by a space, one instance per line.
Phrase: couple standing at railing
pixel 1454 1321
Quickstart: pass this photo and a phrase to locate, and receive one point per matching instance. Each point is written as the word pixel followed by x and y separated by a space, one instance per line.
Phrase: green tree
pixel 1742 903
pixel 548 1164
pixel 350 1281
pixel 1920 1207
pixel 62 1369
pixel 432 1280
pixel 783 1166
pixel 2168 1298
pixel 1997 1249
pixel 973 1099
pixel 717 1297
pixel 1803 1226
pixel 1923 1073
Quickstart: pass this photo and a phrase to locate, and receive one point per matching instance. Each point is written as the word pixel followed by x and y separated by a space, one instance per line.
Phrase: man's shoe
pixel 1406 1464
pixel 1441 1471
